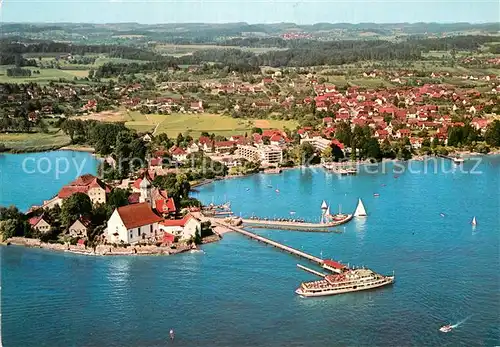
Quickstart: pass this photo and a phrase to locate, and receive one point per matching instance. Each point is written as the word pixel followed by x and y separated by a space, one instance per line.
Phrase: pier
pixel 300 226
pixel 455 160
pixel 265 240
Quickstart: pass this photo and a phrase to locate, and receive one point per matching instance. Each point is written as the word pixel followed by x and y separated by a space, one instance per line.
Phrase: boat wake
pixel 454 326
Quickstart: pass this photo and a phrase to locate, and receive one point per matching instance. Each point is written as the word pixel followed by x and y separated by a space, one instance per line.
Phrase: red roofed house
pixel 184 228
pixel 40 224
pixel 179 154
pixel 381 134
pixel 133 223
pixel 480 123
pixel 328 121
pixel 403 133
pixel 337 143
pixel 224 146
pixel 196 106
pixel 87 184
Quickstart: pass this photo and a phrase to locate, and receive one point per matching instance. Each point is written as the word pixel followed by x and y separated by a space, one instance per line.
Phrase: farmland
pixel 194 124
pixel 34 141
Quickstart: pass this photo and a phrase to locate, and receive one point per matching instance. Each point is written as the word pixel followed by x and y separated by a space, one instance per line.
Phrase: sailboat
pixel 360 209
pixel 474 222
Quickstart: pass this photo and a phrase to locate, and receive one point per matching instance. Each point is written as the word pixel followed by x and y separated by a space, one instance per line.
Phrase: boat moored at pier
pixel 351 280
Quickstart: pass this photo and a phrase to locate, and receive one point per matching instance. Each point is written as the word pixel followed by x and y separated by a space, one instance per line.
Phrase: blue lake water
pixel 241 293
pixel 29 178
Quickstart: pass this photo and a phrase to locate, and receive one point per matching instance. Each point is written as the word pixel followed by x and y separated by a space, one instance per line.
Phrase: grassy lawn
pixel 34 141
pixel 195 124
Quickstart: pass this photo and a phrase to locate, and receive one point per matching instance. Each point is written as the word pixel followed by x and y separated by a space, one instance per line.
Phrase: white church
pixel 140 223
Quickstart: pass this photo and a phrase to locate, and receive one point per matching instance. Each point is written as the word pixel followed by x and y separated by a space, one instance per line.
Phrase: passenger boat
pixel 345 282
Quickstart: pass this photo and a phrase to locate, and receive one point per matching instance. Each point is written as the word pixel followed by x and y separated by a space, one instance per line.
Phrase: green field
pixel 180 50
pixel 195 124
pixel 34 141
pixel 45 76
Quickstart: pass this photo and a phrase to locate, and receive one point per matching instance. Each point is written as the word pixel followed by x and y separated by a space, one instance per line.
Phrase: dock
pixel 265 240
pixel 300 226
pixel 455 160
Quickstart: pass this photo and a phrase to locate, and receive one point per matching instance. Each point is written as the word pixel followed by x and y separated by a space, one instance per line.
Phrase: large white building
pixel 317 142
pixel 133 223
pixel 266 154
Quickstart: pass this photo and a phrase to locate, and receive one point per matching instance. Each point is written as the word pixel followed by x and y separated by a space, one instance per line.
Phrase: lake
pixel 29 178
pixel 241 293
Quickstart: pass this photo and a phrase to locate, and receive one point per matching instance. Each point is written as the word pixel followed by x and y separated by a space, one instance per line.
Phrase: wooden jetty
pixel 275 244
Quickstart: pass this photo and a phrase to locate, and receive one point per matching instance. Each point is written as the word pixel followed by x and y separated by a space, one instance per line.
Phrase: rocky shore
pixel 107 250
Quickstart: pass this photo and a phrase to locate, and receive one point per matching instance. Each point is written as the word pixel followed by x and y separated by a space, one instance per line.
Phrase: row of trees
pixel 18 72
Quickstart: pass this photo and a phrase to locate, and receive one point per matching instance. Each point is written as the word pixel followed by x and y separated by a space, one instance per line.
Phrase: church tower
pixel 145 188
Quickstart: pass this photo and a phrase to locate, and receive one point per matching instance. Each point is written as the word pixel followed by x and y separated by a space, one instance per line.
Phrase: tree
pixel 435 142
pixel 307 154
pixel 343 133
pixel 256 130
pixel 74 207
pixel 372 150
pixel 326 154
pixel 492 134
pixel 117 198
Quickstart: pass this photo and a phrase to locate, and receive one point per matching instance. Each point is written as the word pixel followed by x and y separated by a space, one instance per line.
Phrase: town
pixel 163 125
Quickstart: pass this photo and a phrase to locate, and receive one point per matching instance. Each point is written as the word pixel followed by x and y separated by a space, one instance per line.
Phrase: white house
pixel 79 228
pixel 39 223
pixel 184 228
pixel 133 223
pixel 179 154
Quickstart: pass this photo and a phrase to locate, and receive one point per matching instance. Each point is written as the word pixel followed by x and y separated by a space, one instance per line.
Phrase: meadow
pixel 195 124
pixel 30 142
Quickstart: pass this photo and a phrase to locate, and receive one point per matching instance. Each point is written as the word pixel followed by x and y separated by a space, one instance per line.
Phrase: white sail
pixel 360 209
pixel 474 222
pixel 324 206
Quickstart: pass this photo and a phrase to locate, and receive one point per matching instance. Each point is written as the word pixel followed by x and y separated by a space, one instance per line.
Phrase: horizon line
pixel 247 23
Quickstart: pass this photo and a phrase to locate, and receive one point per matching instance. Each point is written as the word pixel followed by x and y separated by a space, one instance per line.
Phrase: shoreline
pixel 106 250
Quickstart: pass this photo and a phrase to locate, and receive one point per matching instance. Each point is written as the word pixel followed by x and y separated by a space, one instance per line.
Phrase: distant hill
pixel 204 33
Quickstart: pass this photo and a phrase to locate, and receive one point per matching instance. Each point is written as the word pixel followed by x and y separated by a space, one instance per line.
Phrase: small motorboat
pixel 446 328
pixel 247 189
pixel 277 191
pixel 474 221
pixel 442 214
pixel 376 194
pixel 269 186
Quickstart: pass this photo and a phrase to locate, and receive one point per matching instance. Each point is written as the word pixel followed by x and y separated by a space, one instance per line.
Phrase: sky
pixel 250 11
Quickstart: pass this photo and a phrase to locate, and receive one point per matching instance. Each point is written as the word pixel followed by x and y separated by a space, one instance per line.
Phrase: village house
pixel 40 224
pixel 79 228
pixel 179 154
pixel 193 148
pixel 196 106
pixel 183 229
pixel 87 184
pixel 401 133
